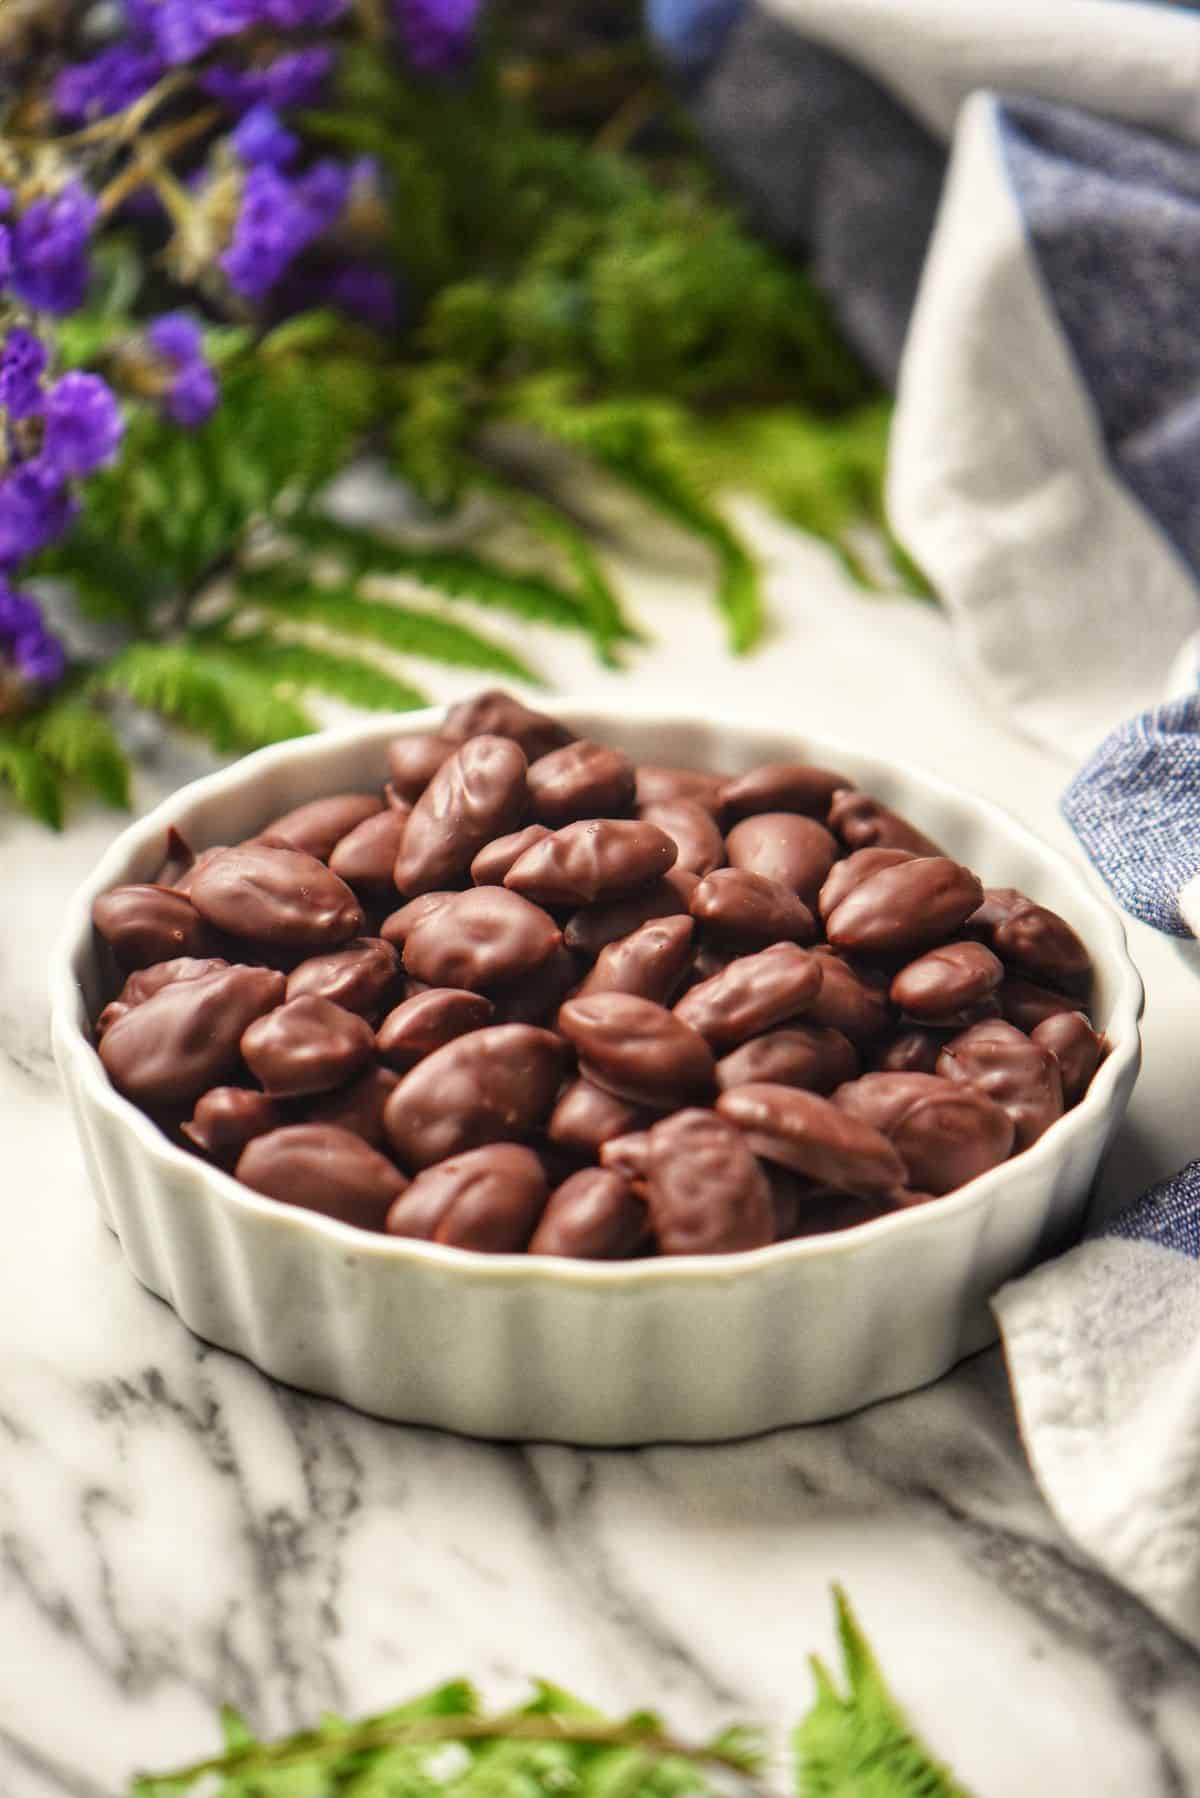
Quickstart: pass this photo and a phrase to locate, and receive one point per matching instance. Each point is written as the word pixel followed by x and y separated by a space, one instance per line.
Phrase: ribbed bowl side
pixel 505 1346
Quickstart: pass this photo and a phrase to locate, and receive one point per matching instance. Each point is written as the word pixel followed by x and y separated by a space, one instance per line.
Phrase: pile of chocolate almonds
pixel 532 997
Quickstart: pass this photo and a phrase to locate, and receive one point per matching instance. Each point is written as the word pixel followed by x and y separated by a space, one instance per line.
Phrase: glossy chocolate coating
pixel 589 931
pixel 656 784
pixel 581 780
pixel 650 962
pixel 946 984
pixel 592 861
pixel 309 1045
pixel 692 829
pixel 279 898
pixel 184 882
pixel 751 995
pixel 180 856
pixel 358 1107
pixel 478 793
pixel 945 1134
pixel 360 977
pixel 864 822
pixel 365 856
pixel 595 1215
pixel 497 857
pixel 318 827
pixel 910 906
pixel 628 1155
pixel 586 1117
pixel 852 870
pixel 488 1199
pixel 428 1021
pixel 498 714
pixel 804 1055
pixel 413 762
pixel 637 1050
pixel 1076 1047
pixel 536 998
pixel 786 847
pixel 706 1193
pixel 146 924
pixel 1031 938
pixel 322 1168
pixel 184 1039
pixel 781 787
pixel 1020 1075
pixel 394 799
pixel 143 983
pixel 482 939
pixel 751 911
pixel 397 924
pixel 1026 1004
pixel 912 1051
pixel 813 1136
pixel 847 1002
pixel 228 1117
pixel 492 1086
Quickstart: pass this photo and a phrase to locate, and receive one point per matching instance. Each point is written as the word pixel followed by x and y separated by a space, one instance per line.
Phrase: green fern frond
pixel 455 574
pixel 31 779
pixel 207 691
pixel 595 591
pixel 861 1745
pixel 635 441
pixel 303 667
pixel 344 612
pixel 81 744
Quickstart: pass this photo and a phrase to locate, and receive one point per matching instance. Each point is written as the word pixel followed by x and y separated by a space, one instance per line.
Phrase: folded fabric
pixel 1003 201
pixel 1036 307
pixel 1103 1349
pixel 1135 807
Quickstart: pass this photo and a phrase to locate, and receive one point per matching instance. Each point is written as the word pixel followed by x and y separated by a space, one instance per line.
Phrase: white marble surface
pixel 175 1531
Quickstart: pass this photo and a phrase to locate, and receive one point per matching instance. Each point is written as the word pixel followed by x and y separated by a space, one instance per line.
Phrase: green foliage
pixel 206 689
pixel 441 1745
pixel 859 1744
pixel 341 610
pixel 606 302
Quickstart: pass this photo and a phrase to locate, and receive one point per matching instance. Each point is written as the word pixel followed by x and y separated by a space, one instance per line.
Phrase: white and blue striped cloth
pixel 1002 200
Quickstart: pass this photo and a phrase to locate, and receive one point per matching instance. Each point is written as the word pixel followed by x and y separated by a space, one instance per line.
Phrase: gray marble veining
pixel 177 1532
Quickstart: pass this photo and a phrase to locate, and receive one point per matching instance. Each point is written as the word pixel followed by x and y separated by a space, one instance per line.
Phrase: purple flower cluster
pixel 25 644
pixel 278 219
pixel 192 394
pixel 44 250
pixel 436 33
pixel 51 436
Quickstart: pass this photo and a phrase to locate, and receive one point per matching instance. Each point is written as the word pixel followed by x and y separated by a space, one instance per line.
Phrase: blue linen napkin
pixel 1003 202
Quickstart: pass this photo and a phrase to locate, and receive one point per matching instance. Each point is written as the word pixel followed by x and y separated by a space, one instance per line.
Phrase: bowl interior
pixel 238 801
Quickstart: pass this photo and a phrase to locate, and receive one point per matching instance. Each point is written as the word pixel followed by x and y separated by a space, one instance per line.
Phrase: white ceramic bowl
pixel 511 1346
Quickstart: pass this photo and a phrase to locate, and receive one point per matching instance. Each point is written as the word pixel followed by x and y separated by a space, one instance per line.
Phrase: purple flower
pixel 83 425
pixel 436 33
pixel 36 506
pixel 5 254
pixel 19 614
pixel 277 220
pixel 295 15
pixel 297 79
pixel 262 136
pixel 22 364
pixel 176 336
pixel 193 392
pixel 40 657
pixel 369 294
pixel 107 84
pixel 49 250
